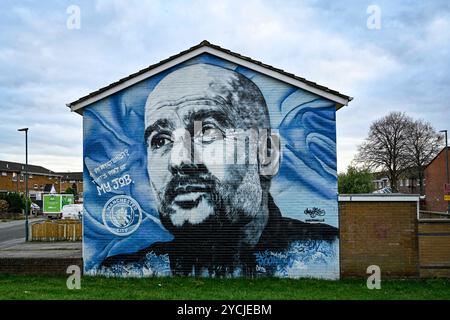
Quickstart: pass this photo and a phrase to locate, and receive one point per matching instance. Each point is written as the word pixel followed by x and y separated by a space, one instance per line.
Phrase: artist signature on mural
pixel 314 212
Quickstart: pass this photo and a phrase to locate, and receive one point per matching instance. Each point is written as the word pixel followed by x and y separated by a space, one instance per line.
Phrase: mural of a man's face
pixel 188 118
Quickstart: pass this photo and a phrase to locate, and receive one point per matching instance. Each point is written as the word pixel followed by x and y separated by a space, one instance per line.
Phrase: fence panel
pixel 434 248
pixel 61 230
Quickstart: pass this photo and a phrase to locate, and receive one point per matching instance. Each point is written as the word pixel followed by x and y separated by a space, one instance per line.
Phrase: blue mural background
pixel 114 129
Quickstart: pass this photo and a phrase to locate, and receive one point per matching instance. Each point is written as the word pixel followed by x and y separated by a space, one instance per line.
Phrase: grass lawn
pixel 47 287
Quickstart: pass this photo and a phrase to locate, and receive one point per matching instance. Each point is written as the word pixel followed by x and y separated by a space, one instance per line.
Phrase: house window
pixel 30 176
pixel 401 182
pixel 50 178
pixel 14 176
pixel 35 186
pixel 4 174
pixel 21 177
pixel 407 182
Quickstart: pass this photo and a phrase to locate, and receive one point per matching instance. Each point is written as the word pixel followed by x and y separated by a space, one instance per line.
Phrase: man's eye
pixel 210 133
pixel 159 141
pixel 207 129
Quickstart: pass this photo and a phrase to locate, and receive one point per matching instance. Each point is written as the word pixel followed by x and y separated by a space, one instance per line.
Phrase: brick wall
pixel 382 233
pixel 38 266
pixel 435 178
pixel 67 184
pixel 7 183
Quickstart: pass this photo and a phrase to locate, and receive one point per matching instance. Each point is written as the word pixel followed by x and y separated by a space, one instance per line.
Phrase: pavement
pixel 18 248
pixel 37 257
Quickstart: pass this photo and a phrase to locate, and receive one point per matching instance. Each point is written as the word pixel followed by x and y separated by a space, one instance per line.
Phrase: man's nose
pixel 182 160
pixel 181 149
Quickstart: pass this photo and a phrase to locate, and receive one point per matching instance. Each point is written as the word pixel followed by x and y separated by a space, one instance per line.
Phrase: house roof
pixel 206 47
pixel 71 175
pixel 8 166
pixel 439 153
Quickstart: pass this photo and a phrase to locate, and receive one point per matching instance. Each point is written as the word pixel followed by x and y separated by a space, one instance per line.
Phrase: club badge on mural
pixel 122 215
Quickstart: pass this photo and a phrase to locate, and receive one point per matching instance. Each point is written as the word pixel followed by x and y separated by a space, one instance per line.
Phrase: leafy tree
pixel 70 190
pixel 355 181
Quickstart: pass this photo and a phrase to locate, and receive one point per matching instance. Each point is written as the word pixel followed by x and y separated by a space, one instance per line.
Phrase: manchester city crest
pixel 122 215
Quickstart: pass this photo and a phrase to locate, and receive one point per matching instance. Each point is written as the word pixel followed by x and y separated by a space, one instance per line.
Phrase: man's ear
pixel 269 154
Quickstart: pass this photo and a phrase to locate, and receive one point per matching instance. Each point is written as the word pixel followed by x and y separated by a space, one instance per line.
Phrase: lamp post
pixel 446 164
pixel 26 181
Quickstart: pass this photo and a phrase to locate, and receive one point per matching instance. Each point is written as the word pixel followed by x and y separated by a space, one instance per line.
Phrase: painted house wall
pixel 136 223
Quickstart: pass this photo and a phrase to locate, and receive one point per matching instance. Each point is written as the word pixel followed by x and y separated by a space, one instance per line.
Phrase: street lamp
pixel 446 164
pixel 26 181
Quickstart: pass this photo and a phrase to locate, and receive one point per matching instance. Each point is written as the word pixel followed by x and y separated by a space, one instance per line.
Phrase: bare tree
pixel 424 143
pixel 385 147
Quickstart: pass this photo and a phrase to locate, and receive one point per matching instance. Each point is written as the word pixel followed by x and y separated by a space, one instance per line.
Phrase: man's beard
pixel 199 204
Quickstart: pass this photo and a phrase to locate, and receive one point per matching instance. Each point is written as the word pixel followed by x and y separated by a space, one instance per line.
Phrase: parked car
pixel 35 209
pixel 72 211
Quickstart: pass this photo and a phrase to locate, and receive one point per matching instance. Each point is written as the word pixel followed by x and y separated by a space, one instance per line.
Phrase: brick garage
pixel 379 230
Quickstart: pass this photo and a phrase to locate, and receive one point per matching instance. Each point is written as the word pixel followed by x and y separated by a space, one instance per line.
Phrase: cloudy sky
pixel 404 65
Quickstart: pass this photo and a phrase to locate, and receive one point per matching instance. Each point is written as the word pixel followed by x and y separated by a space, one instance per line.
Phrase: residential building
pixel 435 175
pixel 40 179
pixel 72 180
pixel 12 178
pixel 140 132
pixel 408 182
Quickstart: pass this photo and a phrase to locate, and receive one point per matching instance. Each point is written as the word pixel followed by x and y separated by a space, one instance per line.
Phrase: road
pixel 13 230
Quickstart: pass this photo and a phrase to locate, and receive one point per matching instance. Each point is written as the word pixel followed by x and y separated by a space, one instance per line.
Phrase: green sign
pixel 52 203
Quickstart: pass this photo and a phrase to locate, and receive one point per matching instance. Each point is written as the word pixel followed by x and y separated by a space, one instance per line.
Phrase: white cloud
pixel 43 65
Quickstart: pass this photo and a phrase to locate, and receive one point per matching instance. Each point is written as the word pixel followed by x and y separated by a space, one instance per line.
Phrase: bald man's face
pixel 193 179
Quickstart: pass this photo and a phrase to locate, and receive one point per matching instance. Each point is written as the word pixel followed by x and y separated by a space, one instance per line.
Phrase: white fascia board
pixel 250 65
pixel 378 197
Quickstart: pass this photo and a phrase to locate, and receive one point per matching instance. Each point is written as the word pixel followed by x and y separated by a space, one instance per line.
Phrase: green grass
pixel 47 287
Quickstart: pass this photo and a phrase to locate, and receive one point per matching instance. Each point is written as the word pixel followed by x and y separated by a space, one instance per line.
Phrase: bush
pixel 16 202
pixel 355 181
pixel 4 206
